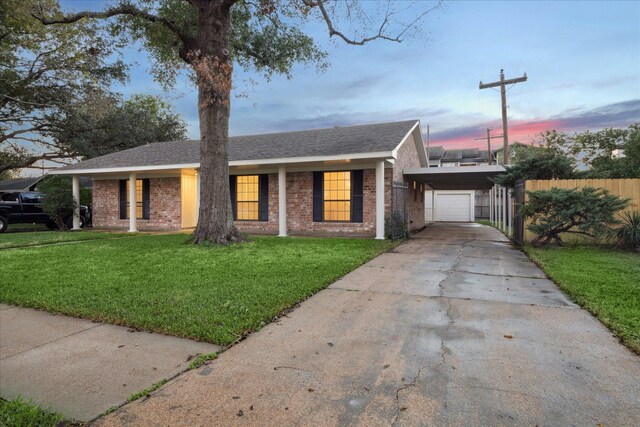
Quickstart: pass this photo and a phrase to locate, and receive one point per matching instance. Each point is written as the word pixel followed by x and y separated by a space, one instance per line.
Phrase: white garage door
pixel 454 206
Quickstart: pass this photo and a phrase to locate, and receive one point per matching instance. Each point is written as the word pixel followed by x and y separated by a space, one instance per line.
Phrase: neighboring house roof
pixel 435 153
pixel 464 155
pixel 364 141
pixel 20 184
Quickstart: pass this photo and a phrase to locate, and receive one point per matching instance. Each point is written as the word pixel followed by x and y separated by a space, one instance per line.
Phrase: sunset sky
pixel 582 60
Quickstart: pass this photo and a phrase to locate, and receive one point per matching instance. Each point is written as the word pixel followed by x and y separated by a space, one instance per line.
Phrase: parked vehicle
pixel 26 208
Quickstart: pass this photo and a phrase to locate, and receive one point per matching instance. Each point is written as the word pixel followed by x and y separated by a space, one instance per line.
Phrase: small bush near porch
pixel 160 283
pixel 604 281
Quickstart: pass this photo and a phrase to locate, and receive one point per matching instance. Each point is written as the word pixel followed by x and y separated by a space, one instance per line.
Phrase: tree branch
pixel 122 9
pixel 381 31
pixel 27 161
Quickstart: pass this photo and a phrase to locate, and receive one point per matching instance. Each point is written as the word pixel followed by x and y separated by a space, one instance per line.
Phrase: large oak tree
pixel 208 36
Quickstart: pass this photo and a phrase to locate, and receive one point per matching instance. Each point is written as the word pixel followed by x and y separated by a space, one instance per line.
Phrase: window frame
pixel 348 180
pixel 256 201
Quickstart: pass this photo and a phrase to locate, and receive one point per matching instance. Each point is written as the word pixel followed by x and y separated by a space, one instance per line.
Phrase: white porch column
pixel 197 195
pixel 282 201
pixel 75 182
pixel 133 227
pixel 380 200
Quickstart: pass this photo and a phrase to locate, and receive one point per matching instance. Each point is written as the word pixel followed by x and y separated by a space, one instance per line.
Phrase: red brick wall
pixel 408 158
pixel 164 199
pixel 300 208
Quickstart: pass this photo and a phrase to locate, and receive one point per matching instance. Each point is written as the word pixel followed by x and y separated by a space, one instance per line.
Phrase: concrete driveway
pixel 454 327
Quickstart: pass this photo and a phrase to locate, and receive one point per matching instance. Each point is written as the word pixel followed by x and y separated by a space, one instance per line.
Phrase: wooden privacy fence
pixel 504 203
pixel 624 188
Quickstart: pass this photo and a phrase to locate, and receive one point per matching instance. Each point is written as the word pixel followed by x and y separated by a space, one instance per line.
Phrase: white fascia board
pixel 124 169
pixel 279 161
pixel 416 130
pixel 309 159
pixel 456 169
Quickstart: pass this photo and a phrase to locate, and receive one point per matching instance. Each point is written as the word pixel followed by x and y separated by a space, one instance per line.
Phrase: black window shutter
pixel 263 197
pixel 232 190
pixel 123 199
pixel 146 199
pixel 317 197
pixel 356 195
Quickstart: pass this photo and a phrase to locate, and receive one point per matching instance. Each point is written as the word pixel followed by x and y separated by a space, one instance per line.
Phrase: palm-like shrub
pixel 628 234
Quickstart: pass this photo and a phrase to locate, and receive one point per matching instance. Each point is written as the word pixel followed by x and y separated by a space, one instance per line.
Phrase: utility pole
pixel 489 138
pixel 503 94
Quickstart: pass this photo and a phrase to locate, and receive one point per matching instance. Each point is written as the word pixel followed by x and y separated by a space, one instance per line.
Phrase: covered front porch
pixel 152 198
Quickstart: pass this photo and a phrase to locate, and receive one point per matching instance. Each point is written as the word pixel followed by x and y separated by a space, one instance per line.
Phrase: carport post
pixel 504 209
pixel 75 184
pixel 133 227
pixel 380 200
pixel 491 204
pixel 509 208
pixel 282 201
pixel 500 217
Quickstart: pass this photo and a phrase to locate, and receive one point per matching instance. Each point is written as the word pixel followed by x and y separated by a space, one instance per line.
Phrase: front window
pixel 337 196
pixel 139 202
pixel 247 197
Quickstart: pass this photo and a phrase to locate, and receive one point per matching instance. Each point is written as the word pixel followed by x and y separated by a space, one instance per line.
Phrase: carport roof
pixel 456 178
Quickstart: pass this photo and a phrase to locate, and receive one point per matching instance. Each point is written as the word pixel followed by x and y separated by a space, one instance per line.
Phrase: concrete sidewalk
pixel 454 327
pixel 80 368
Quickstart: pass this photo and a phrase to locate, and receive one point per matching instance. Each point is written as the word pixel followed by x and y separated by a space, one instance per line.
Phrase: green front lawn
pixel 161 283
pixel 14 240
pixel 604 281
pixel 18 412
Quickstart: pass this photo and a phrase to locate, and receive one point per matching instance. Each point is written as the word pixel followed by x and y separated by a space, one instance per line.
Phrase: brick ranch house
pixel 336 180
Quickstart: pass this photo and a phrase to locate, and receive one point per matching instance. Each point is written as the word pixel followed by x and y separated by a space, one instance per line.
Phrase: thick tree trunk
pixel 212 65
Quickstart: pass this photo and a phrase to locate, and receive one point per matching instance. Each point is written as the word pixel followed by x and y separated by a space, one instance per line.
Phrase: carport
pixel 452 194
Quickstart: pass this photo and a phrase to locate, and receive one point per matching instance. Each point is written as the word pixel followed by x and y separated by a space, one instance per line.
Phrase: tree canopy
pixel 537 163
pixel 596 150
pixel 55 98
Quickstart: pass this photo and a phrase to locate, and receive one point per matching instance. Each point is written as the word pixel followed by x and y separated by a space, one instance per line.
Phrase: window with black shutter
pixel 250 197
pixel 338 196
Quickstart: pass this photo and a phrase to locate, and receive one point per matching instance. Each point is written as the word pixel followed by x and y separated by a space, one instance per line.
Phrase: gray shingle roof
pixel 381 137
pixel 19 184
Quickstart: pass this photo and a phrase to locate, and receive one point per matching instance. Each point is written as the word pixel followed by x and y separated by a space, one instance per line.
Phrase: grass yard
pixel 162 284
pixel 15 240
pixel 604 281
pixel 18 412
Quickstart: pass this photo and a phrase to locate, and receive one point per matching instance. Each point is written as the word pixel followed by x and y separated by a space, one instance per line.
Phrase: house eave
pixel 383 155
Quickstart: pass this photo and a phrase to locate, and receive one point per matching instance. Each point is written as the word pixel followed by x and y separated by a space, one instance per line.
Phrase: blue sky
pixel 582 60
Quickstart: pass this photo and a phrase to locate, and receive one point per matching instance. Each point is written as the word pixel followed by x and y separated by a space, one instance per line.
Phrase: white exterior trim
pixel 75 182
pixel 380 200
pixel 133 226
pixel 285 160
pixel 417 139
pixel 282 201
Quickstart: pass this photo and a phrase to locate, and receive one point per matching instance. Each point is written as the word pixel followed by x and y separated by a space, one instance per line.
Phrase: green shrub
pixel 628 234
pixel 586 211
pixel 395 227
pixel 57 200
